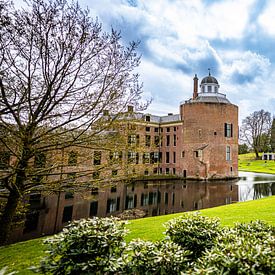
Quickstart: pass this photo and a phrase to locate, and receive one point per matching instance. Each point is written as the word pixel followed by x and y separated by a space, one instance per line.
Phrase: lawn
pixel 22 255
pixel 248 163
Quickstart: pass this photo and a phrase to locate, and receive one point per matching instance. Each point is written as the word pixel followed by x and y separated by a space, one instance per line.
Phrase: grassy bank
pixel 22 255
pixel 248 163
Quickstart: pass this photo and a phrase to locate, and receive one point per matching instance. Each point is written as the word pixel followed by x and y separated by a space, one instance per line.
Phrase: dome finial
pixel 209 71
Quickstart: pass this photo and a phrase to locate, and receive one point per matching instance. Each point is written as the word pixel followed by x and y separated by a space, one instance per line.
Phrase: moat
pixel 49 214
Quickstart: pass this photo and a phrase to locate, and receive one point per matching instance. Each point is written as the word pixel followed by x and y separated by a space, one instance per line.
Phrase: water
pixel 254 186
pixel 49 213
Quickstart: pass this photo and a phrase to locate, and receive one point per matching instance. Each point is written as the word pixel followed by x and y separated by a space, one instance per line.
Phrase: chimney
pixel 105 112
pixel 130 108
pixel 195 92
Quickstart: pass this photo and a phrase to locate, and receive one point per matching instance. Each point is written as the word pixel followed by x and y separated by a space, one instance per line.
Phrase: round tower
pixel 210 133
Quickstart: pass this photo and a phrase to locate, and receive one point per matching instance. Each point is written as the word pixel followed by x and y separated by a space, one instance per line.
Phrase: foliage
pixel 162 257
pixel 85 246
pixel 193 232
pixel 21 255
pixel 243 149
pixel 245 249
pixel 59 75
pixel 255 130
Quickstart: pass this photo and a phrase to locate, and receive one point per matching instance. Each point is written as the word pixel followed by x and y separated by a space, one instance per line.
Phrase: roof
pixel 209 79
pixel 164 119
pixel 211 99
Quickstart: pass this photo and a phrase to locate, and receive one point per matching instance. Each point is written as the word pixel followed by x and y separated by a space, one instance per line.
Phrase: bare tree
pixel 254 130
pixel 58 73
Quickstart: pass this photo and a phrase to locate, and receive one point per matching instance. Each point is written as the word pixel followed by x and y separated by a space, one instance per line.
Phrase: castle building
pixel 202 141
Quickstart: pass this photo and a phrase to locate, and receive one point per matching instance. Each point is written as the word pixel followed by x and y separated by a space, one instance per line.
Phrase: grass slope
pixel 22 255
pixel 248 163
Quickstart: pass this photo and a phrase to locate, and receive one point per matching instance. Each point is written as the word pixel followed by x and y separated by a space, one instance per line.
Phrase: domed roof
pixel 209 79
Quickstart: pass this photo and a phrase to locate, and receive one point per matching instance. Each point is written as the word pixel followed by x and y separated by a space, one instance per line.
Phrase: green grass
pixel 248 163
pixel 22 255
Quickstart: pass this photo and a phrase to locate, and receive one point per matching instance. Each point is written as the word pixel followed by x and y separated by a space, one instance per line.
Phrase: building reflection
pixel 48 214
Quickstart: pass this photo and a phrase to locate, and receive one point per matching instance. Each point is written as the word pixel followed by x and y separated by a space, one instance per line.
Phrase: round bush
pixel 239 255
pixel 193 232
pixel 92 246
pixel 163 257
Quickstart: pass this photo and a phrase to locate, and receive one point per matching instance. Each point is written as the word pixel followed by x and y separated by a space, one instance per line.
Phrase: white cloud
pixel 267 19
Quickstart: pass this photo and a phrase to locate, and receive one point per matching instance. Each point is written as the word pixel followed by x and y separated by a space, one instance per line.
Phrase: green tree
pixel 59 72
pixel 255 129
pixel 243 149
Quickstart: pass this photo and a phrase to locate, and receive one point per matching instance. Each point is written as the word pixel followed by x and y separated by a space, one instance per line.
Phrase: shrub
pixel 193 232
pixel 247 248
pixel 86 246
pixel 163 257
pixel 245 255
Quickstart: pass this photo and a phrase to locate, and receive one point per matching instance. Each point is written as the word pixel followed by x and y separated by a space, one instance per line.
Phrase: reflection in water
pixel 253 186
pixel 48 214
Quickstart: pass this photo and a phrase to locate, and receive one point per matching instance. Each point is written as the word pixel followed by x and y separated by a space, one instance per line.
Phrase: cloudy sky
pixel 178 38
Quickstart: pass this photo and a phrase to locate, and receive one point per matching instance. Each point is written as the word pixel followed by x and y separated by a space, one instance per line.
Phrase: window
pixel 216 89
pixel 69 195
pixel 147 140
pixel 132 139
pixel 168 129
pixel 228 130
pixel 156 140
pixel 114 173
pixel 96 175
pixel 174 171
pixel 147 129
pixel 228 153
pixel 166 198
pixel 209 89
pixel 40 160
pixel 131 202
pixel 146 172
pixel 182 154
pixel 153 198
pixel 198 153
pixel 144 199
pixel 147 118
pixel 113 205
pixel 94 191
pixel 31 222
pixel 67 213
pixel 132 157
pixel 167 140
pixel 154 157
pixel 113 189
pixel 4 160
pixel 72 160
pixel 175 140
pixel 167 171
pixel 167 157
pixel 156 130
pixel 174 157
pixel 173 198
pixel 203 89
pixel 115 156
pixel 175 129
pixel 146 157
pixel 155 170
pixel 93 208
pixel 97 157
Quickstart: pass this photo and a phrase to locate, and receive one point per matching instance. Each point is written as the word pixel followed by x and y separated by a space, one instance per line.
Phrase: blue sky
pixel 178 38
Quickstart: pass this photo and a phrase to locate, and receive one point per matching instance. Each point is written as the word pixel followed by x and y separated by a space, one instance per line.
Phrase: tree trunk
pixel 7 217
